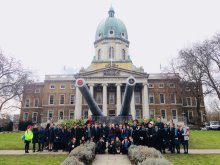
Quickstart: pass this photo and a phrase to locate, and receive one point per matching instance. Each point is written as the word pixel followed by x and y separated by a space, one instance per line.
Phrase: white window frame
pixel 111 94
pixel 99 95
pixel 63 99
pixel 72 101
pixel 59 116
pixel 150 85
pixel 151 95
pixel 27 100
pixel 37 102
pixel 25 116
pixel 37 90
pixel 172 85
pixel 162 115
pixel 53 99
pixel 33 116
pixel 189 105
pixel 71 111
pixel 138 117
pixel 161 85
pixel 163 98
pixel 48 114
pixel 137 95
pixel 62 86
pixel 152 110
pixel 172 114
pixel 174 98
pixel 52 86
pixel 189 113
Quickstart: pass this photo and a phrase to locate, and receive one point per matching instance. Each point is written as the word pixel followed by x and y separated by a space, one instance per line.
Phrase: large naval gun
pixel 81 84
pixel 96 111
pixel 129 89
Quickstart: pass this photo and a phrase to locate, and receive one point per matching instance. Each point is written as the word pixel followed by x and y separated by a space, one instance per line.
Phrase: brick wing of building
pixel 160 94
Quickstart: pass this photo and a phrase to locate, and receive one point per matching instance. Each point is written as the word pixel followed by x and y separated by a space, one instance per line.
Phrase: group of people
pixel 116 138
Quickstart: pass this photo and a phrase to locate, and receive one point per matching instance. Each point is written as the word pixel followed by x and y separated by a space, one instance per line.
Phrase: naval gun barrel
pixel 129 89
pixel 81 84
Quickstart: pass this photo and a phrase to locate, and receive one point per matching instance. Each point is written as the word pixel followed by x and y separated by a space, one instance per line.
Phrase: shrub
pixel 138 154
pixel 71 161
pixel 70 123
pixel 155 161
pixel 23 125
pixel 84 153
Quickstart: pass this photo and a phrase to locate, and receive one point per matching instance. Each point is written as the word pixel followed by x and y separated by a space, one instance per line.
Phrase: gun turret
pixel 81 84
pixel 129 89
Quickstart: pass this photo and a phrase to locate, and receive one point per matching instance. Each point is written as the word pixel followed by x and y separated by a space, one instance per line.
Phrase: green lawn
pixel 194 159
pixel 198 140
pixel 204 140
pixel 11 141
pixel 32 159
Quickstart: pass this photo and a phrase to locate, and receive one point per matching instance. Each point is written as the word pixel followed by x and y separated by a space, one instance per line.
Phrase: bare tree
pixel 13 77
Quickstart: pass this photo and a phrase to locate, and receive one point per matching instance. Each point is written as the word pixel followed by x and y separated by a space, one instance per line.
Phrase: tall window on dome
pixel 123 54
pixel 111 53
pixel 99 54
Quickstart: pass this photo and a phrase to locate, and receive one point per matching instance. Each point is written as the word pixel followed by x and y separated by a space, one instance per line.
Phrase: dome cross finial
pixel 111 12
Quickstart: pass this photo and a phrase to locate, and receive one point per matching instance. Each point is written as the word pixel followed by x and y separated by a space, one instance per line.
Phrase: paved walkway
pixel 107 159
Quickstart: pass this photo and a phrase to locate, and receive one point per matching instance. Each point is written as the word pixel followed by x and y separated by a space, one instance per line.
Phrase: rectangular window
pixel 62 86
pixel 188 101
pixel 27 103
pixel 52 86
pixel 62 99
pixel 72 99
pixel 190 115
pixel 61 115
pixel 50 115
pixel 85 114
pixel 173 98
pixel 161 85
pixel 72 86
pixel 137 96
pixel 152 113
pixel 172 85
pixel 37 90
pixel 162 98
pixel 34 117
pixel 151 98
pixel 51 99
pixel 25 117
pixel 163 113
pixel 111 98
pixel 71 115
pixel 99 98
pixel 36 102
pixel 111 112
pixel 138 113
pixel 174 114
pixel 150 85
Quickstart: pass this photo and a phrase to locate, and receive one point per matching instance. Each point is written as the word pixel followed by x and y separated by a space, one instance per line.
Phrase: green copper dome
pixel 111 27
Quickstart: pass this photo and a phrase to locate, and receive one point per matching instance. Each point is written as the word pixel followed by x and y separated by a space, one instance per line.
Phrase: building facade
pixel 160 94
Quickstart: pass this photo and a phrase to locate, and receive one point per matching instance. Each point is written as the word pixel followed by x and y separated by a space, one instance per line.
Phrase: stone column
pixel 132 107
pixel 78 105
pixel 91 91
pixel 145 103
pixel 104 105
pixel 118 98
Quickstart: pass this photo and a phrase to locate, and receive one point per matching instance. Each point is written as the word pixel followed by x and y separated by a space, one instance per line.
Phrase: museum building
pixel 156 94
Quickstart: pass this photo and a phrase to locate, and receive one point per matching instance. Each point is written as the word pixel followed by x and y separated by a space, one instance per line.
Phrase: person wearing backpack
pixel 28 137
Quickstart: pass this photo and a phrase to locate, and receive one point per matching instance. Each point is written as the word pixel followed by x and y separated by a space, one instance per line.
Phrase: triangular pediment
pixel 111 71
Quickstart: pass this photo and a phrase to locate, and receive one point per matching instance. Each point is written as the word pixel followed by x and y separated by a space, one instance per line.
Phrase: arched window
pixel 99 54
pixel 123 54
pixel 111 53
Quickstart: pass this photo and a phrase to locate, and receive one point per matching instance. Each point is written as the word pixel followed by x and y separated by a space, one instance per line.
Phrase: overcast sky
pixel 46 35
